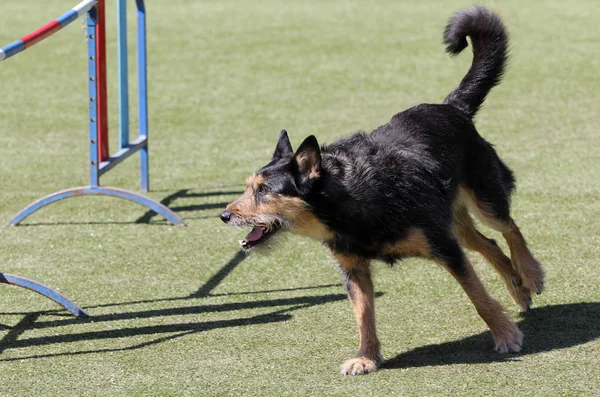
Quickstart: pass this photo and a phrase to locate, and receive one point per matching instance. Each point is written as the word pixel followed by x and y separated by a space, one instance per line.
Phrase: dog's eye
pixel 263 189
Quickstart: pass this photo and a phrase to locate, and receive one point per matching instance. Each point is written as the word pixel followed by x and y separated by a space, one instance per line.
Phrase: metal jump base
pixel 100 161
pixel 43 290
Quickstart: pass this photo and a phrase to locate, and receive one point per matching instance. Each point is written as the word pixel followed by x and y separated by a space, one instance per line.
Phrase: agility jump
pixel 100 161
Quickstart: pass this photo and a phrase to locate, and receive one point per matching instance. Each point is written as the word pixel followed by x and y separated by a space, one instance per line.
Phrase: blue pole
pixel 43 290
pixel 142 94
pixel 123 77
pixel 93 120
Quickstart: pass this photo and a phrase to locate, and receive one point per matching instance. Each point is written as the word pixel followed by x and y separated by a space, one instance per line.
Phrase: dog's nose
pixel 225 216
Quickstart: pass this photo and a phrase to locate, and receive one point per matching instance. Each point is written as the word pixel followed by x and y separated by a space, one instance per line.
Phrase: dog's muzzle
pixel 225 216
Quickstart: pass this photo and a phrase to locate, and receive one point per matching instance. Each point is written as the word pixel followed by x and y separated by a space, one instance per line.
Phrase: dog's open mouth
pixel 258 235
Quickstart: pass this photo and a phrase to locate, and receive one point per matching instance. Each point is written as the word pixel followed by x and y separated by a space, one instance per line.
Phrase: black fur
pixel 489 39
pixel 284 147
pixel 373 187
pixel 405 189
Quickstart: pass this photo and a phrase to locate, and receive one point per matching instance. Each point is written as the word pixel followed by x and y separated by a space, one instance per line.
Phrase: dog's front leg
pixel 357 278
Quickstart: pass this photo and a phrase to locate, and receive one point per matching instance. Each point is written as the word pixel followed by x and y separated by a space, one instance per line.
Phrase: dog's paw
pixel 520 293
pixel 538 283
pixel 359 366
pixel 532 273
pixel 535 280
pixel 509 340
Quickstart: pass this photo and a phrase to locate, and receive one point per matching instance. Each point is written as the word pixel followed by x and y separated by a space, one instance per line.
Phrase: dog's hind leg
pixel 494 212
pixel 357 277
pixel 530 269
pixel 470 238
pixel 507 336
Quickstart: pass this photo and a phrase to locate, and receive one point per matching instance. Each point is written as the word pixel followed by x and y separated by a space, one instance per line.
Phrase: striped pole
pixel 123 75
pixel 101 81
pixel 142 94
pixel 92 29
pixel 47 30
pixel 101 162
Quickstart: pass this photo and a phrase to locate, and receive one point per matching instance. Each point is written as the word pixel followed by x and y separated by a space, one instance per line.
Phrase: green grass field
pixel 179 312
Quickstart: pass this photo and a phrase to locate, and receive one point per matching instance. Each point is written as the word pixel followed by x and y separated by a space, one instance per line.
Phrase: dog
pixel 407 189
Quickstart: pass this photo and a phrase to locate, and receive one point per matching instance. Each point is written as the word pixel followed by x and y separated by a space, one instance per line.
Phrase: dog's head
pixel 275 196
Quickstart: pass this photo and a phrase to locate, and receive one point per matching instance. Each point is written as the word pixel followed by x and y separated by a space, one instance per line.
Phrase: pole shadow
pixel 215 280
pixel 284 307
pixel 147 217
pixel 185 193
pixel 12 339
pixel 546 328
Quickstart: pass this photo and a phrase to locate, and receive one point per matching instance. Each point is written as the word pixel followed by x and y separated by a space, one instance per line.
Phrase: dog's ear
pixel 284 147
pixel 308 159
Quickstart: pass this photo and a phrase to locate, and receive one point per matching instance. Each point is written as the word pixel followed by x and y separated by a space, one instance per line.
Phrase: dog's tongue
pixel 255 234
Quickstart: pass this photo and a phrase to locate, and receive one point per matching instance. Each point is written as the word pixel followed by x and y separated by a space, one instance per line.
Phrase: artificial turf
pixel 178 311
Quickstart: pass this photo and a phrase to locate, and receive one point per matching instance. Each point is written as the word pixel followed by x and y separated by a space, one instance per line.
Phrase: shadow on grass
pixel 546 328
pixel 185 193
pixel 30 323
pixel 13 337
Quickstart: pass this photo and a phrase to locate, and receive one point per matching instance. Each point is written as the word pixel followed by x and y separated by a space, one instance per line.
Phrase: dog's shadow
pixel 546 328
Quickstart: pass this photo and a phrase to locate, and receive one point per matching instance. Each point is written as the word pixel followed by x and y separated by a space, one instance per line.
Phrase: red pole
pixel 101 83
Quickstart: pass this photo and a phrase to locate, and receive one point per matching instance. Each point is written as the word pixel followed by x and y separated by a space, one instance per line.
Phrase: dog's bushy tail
pixel 489 40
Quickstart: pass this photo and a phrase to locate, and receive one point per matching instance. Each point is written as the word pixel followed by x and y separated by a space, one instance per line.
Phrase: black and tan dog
pixel 406 189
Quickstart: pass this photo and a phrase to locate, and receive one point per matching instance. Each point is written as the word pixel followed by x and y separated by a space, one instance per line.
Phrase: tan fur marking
pixel 249 180
pixel 258 180
pixel 244 205
pixel 526 265
pixel 472 239
pixel 467 235
pixel 413 244
pixel 361 296
pixel 467 197
pixel 304 161
pixel 506 334
pixel 314 173
pixel 359 366
pixel 304 222
pixel 345 262
pixel 292 209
